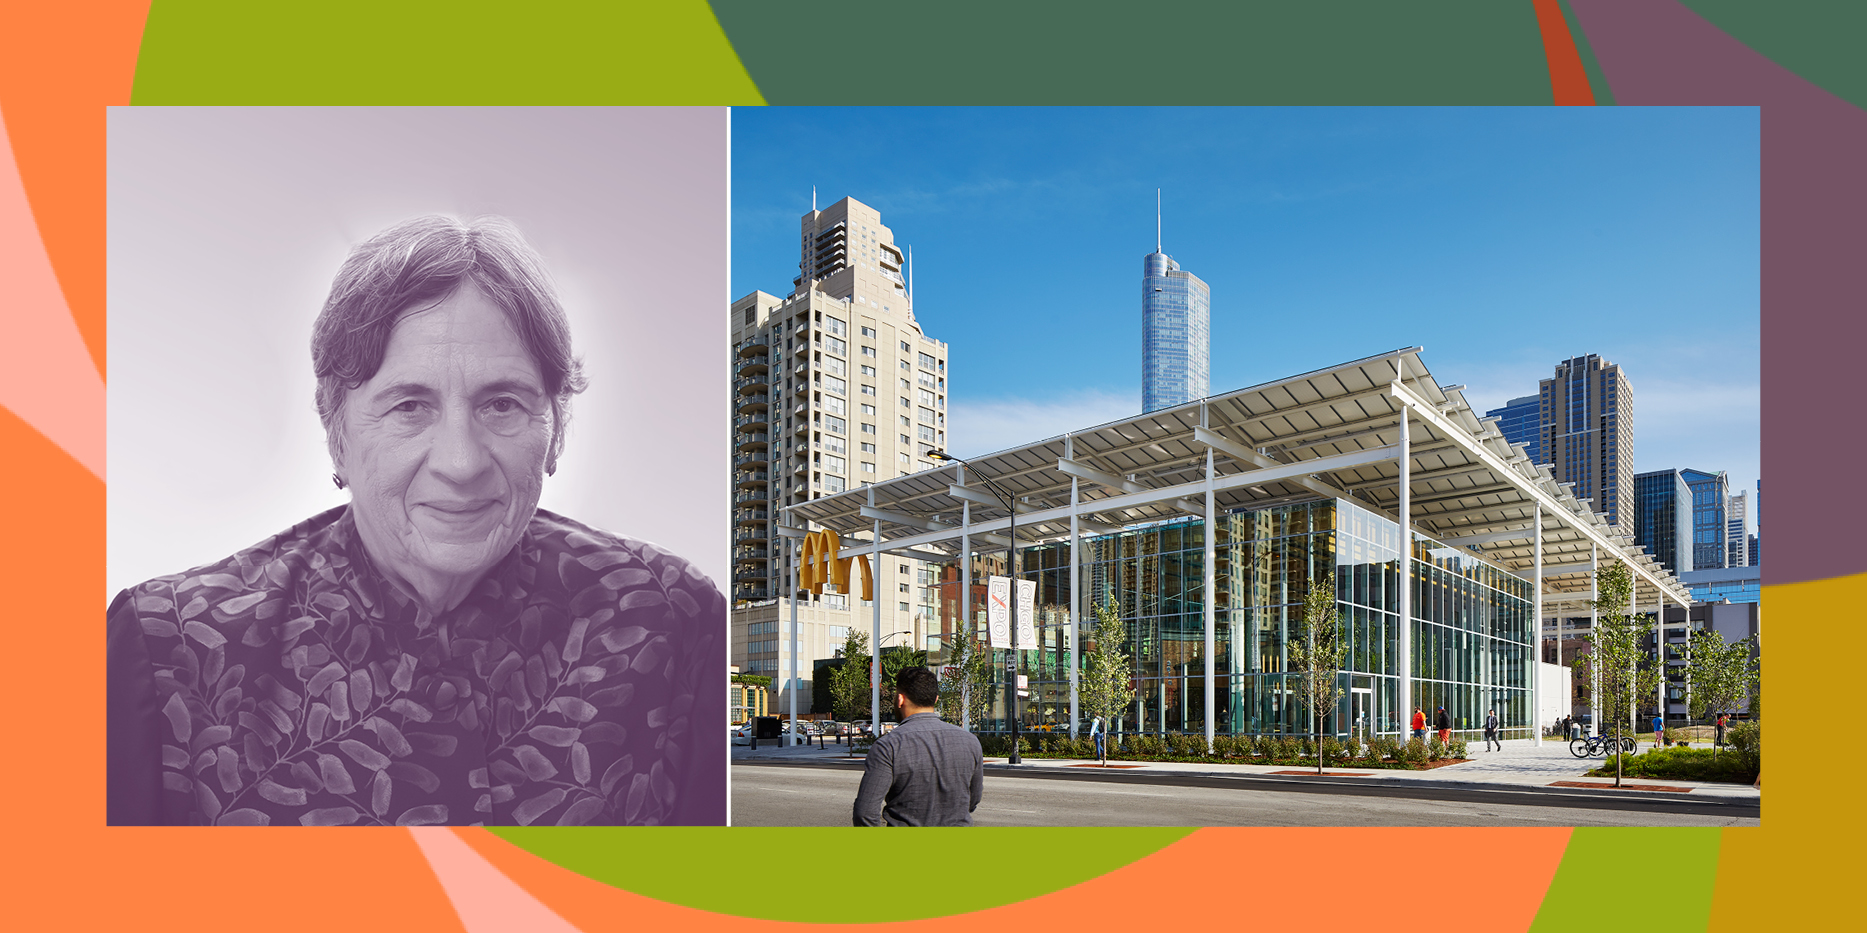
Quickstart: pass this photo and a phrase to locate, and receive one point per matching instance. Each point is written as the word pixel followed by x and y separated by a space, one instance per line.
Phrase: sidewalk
pixel 1520 764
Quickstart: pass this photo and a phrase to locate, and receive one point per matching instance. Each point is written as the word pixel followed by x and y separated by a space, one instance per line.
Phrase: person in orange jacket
pixel 1419 723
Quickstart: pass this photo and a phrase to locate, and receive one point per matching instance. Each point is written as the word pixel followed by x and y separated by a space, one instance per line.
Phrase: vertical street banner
pixel 1027 613
pixel 998 610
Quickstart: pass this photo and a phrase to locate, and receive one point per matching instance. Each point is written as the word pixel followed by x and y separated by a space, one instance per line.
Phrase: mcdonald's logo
pixel 820 566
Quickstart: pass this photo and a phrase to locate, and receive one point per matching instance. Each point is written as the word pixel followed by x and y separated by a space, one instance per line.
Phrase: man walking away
pixel 1491 734
pixel 1100 734
pixel 1419 723
pixel 1659 731
pixel 1443 723
pixel 1718 733
pixel 925 772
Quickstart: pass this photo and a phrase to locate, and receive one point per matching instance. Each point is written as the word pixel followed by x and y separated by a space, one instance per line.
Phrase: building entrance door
pixel 1361 707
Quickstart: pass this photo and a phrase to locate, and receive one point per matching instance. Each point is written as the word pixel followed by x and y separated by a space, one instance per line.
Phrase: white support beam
pixel 1248 457
pixel 1557 570
pixel 1069 467
pixel 985 498
pixel 1525 533
pixel 1596 534
pixel 1150 497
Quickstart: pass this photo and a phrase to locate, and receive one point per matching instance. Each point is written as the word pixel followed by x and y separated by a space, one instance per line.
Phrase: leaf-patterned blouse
pixel 579 683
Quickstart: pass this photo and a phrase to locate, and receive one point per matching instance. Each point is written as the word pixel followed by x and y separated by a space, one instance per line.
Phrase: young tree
pixel 966 684
pixel 1103 688
pixel 1615 653
pixel 1316 653
pixel 1721 674
pixel 895 659
pixel 849 686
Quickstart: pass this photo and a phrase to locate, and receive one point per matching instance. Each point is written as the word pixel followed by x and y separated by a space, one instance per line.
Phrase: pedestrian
pixel 1491 735
pixel 1443 723
pixel 1100 734
pixel 1659 730
pixel 1718 734
pixel 1419 723
pixel 924 772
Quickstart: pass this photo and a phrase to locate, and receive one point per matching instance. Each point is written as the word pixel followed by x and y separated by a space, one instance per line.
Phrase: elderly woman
pixel 440 650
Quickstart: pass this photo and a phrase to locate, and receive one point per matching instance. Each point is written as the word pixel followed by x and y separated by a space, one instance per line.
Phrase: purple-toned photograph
pixel 413 507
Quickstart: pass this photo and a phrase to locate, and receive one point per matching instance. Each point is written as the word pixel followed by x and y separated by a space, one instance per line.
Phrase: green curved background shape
pixel 482 52
pixel 974 868
pixel 1658 880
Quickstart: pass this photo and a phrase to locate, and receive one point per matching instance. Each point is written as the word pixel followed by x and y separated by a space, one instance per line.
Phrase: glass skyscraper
pixel 1176 335
pixel 1521 421
pixel 1587 426
pixel 1709 491
pixel 1663 518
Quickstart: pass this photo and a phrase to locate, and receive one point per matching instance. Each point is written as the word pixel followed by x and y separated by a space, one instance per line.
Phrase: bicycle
pixel 1590 745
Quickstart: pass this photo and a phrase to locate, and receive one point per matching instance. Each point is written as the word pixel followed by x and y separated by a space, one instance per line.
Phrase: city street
pixel 820 793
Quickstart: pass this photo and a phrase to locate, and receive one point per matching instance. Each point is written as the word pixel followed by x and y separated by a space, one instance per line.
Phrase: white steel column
pixel 875 640
pixel 1076 593
pixel 1404 637
pixel 791 551
pixel 965 597
pixel 1536 607
pixel 1212 537
pixel 1594 642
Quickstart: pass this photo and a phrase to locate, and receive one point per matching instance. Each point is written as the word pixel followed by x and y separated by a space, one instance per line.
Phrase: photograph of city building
pixel 1454 364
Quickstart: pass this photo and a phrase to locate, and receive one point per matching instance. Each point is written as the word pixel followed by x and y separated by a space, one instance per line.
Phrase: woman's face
pixel 444 448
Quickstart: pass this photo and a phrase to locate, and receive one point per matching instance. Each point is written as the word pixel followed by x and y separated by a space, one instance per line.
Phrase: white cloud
pixel 983 426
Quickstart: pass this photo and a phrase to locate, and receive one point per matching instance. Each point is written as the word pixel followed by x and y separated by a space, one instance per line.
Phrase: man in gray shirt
pixel 926 772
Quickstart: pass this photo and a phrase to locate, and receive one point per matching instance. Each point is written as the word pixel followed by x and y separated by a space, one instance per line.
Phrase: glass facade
pixel 1176 341
pixel 1520 421
pixel 1662 515
pixel 1471 631
pixel 1708 523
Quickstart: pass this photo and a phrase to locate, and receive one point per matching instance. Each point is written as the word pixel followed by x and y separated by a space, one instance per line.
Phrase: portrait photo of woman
pixel 388 578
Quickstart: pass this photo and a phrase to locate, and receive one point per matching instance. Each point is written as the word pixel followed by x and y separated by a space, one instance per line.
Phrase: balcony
pixel 752 478
pixel 751 516
pixel 752 439
pixel 750 496
pixel 756 364
pixel 746 385
pixel 750 593
pixel 755 345
pixel 752 458
pixel 750 420
pixel 753 403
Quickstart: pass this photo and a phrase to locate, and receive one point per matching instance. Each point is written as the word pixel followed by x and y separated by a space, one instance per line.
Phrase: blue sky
pixel 1501 240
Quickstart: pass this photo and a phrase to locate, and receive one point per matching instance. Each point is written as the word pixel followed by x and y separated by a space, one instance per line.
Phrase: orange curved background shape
pixel 60 66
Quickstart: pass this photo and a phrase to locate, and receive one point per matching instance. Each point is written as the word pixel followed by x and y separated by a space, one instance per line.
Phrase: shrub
pixel 1457 749
pixel 1331 749
pixel 1351 749
pixel 1413 753
pixel 1682 764
pixel 1188 746
pixel 1435 750
pixel 1224 746
pixel 1384 747
pixel 1746 738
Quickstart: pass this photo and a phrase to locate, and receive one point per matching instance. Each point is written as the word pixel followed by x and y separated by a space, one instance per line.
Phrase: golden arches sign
pixel 820 566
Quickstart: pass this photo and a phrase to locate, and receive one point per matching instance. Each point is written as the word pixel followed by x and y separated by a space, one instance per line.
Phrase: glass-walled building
pixel 1471 632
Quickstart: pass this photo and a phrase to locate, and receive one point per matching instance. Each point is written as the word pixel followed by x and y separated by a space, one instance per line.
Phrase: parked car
pixel 742 733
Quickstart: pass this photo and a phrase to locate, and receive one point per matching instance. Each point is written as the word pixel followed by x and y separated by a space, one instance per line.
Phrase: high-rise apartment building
pixel 1663 518
pixel 1521 422
pixel 1709 527
pixel 1587 426
pixel 834 386
pixel 1176 334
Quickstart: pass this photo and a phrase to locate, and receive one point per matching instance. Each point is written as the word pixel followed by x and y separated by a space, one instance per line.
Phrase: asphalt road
pixel 792 794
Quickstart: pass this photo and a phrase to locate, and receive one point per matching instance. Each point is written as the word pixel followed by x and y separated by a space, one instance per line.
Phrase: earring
pixel 338 480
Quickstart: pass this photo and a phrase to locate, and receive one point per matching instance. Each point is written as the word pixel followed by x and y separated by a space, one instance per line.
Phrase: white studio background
pixel 226 226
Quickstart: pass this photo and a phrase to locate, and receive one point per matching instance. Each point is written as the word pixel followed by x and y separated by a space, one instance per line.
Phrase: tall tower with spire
pixel 1176 335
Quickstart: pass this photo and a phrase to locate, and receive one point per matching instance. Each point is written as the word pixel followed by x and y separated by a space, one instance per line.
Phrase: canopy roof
pixel 1330 433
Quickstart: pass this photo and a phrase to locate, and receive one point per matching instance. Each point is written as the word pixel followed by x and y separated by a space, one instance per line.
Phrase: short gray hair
pixel 414 265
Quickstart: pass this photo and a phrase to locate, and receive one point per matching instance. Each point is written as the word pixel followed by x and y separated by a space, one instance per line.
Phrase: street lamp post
pixel 1011 562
